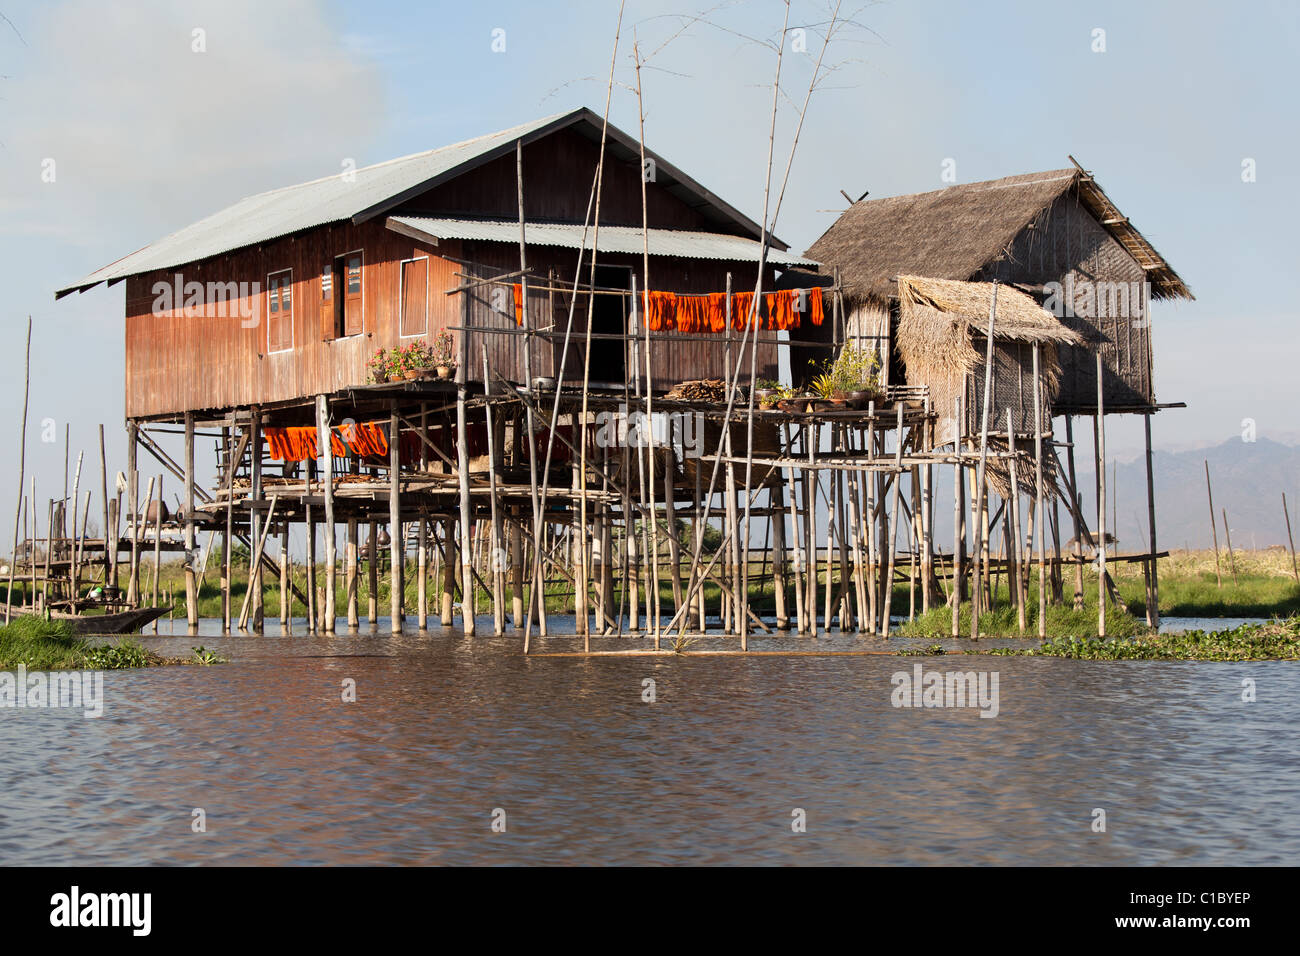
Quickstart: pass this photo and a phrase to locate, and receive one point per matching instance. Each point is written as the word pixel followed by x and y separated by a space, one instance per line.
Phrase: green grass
pixel 44 645
pixel 1264 585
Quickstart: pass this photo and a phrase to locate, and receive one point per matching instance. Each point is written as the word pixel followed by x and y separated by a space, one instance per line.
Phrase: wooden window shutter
pixel 415 297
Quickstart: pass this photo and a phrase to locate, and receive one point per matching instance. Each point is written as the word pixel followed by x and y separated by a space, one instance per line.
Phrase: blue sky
pixel 148 135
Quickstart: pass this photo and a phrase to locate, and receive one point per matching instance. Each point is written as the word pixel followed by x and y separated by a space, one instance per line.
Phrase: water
pixel 446 729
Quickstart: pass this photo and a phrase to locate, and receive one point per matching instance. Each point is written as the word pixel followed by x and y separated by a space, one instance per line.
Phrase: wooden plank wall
pixel 210 357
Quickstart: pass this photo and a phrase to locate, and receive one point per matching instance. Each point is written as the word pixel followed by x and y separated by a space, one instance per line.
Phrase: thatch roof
pixel 954 233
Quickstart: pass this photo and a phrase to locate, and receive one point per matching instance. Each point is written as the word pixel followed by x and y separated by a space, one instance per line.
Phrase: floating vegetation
pixel 1265 641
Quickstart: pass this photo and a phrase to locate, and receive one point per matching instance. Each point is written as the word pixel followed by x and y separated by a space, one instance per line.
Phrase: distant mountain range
pixel 1248 479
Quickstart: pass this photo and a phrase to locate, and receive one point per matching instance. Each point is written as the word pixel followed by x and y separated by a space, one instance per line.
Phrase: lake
pixel 445 731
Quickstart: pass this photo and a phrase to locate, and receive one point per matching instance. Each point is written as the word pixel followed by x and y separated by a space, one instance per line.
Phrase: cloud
pixel 155 116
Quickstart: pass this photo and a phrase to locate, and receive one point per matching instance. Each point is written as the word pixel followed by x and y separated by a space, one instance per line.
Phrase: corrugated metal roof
pixel 661 242
pixel 372 191
pixel 280 212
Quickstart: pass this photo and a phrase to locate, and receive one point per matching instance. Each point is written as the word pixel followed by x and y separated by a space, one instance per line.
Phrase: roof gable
pixel 954 233
pixel 372 191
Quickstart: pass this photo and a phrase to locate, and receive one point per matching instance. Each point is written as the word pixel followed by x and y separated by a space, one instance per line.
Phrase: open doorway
pixel 609 317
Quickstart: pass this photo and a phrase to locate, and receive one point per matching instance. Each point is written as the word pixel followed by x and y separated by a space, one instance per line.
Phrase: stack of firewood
pixel 712 390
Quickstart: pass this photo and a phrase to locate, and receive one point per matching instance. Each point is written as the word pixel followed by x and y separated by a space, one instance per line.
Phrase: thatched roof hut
pixel 941 340
pixel 1034 231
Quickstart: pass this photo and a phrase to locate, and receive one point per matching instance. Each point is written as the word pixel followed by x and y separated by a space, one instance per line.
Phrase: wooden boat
pixel 116 622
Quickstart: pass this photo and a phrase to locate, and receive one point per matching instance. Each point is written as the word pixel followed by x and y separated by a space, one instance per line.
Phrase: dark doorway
pixel 609 317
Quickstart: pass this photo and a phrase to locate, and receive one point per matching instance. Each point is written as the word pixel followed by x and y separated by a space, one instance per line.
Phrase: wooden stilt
pixel 396 549
pixel 1076 515
pixel 776 515
pixel 350 574
pixel 255 515
pixel 448 573
pixel 285 596
pixel 157 548
pixel 497 557
pixel 1153 579
pixel 313 608
pixel 516 569
pixel 191 578
pixel 227 534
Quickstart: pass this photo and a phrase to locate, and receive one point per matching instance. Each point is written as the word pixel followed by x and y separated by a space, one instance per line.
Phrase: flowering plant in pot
pixel 440 356
pixel 380 366
pixel 416 360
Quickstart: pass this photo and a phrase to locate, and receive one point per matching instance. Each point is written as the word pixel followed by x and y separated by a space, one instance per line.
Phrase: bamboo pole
pixel 498 545
pixel 801 622
pixel 1232 560
pixel 103 485
pixel 74 566
pixel 255 561
pixel 22 464
pixel 325 440
pixel 1290 540
pixel 372 575
pixel 1076 515
pixel 980 531
pixel 422 534
pixel 958 531
pixel 396 547
pixel 1218 576
pixel 1013 517
pixel 1041 514
pixel 1099 426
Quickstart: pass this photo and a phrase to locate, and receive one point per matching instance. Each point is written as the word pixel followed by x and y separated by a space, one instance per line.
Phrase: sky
pixel 120 123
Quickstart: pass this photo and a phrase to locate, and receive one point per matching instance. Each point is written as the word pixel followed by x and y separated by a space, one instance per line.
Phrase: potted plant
pixel 767 392
pixel 857 372
pixel 379 366
pixel 792 401
pixel 417 361
pixel 441 355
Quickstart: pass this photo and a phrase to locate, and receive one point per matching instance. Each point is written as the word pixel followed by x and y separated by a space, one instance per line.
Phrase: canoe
pixel 120 622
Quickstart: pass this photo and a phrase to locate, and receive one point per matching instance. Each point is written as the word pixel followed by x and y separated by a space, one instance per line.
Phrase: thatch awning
pixel 938 316
pixel 940 322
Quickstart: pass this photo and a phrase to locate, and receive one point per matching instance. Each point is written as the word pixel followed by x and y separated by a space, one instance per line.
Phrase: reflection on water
pixel 445 729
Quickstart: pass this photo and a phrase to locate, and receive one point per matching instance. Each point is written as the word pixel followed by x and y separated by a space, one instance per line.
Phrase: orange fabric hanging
pixel 778 311
pixel 365 439
pixel 519 303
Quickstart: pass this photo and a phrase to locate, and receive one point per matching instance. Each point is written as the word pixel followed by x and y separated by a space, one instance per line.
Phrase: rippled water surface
pixel 447 729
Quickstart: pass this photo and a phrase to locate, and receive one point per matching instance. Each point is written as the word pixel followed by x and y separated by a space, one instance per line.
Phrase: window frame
pixel 341 296
pixel 277 291
pixel 401 296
